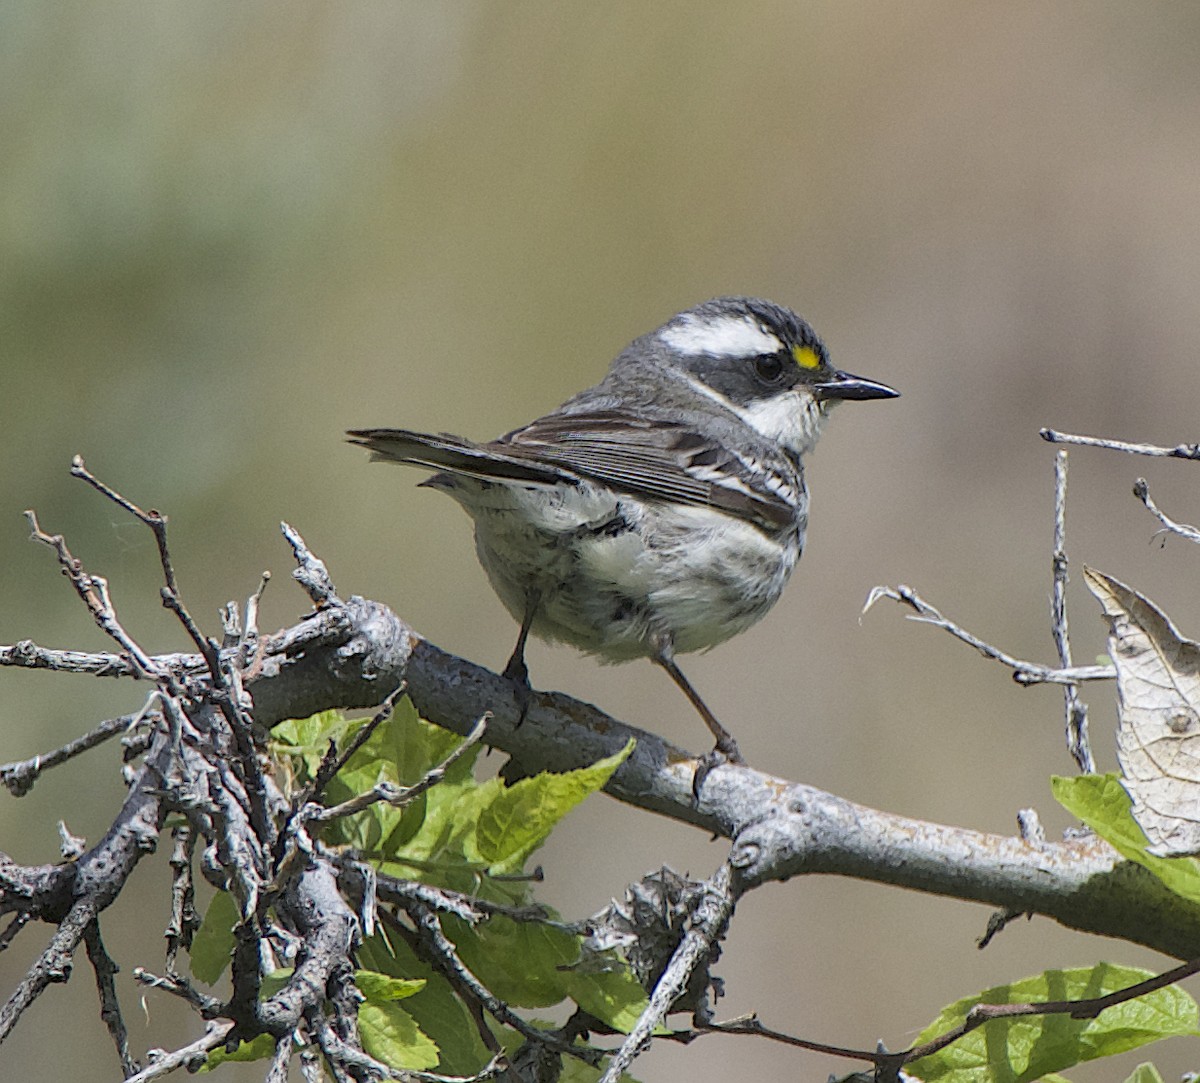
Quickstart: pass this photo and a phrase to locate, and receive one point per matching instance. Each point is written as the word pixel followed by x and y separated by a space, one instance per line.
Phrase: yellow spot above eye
pixel 806 357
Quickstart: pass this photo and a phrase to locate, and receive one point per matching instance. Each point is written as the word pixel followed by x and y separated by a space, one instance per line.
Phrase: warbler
pixel 661 511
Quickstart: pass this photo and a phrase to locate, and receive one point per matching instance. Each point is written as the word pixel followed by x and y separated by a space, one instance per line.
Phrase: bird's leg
pixel 516 670
pixel 726 749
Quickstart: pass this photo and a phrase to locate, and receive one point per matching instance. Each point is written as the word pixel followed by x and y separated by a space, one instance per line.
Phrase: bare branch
pixel 433 943
pixel 310 572
pixel 389 792
pixel 110 1010
pixel 93 590
pixel 1075 709
pixel 1142 491
pixel 20 776
pixel 189 1056
pixel 177 985
pixel 334 761
pixel 1179 451
pixel 184 920
pixel 1024 673
pixel 54 965
pixel 468 907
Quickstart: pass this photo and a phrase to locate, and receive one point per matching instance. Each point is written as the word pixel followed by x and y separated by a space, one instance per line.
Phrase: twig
pixel 19 777
pixel 1087 1008
pixel 469 908
pixel 1179 451
pixel 310 571
pixel 489 1071
pixel 186 1057
pixel 29 655
pixel 153 519
pixel 54 965
pixel 1142 491
pixel 753 1026
pixel 93 590
pixel 1074 708
pixel 888 1064
pixel 708 925
pixel 1024 673
pixel 184 920
pixel 398 796
pixel 278 1072
pixel 444 955
pixel 179 986
pixel 334 761
pixel 110 1009
pixel 996 922
pixel 20 919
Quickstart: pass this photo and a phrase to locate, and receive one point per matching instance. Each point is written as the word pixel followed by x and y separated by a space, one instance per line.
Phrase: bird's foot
pixel 726 751
pixel 517 674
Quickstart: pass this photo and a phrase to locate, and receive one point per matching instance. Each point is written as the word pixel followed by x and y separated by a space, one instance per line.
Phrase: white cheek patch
pixel 721 336
pixel 791 420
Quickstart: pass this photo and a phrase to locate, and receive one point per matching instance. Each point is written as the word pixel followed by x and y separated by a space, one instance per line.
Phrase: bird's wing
pixel 660 459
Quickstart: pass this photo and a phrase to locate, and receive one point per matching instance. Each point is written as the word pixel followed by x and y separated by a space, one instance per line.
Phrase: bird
pixel 661 511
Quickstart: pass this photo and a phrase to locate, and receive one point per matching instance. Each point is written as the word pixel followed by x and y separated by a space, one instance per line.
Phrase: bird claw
pixel 725 752
pixel 518 676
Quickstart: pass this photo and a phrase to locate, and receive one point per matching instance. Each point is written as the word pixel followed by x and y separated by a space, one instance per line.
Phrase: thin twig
pixel 334 761
pixel 1179 451
pixel 19 777
pixel 392 794
pixel 93 590
pixel 110 1009
pixel 179 986
pixel 888 1064
pixel 469 908
pixel 1142 491
pixel 53 966
pixel 1024 673
pixel 1075 710
pixel 189 1056
pixel 184 920
pixel 153 519
pixel 444 955
pixel 1087 1008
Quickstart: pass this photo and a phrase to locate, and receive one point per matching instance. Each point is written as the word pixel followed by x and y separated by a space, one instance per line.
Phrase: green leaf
pixel 212 946
pixel 436 854
pixel 436 1009
pixel 517 822
pixel 1018 1050
pixel 259 1049
pixel 614 996
pixel 1101 802
pixel 521 962
pixel 380 988
pixel 391 1035
pixel 1145 1073
pixel 312 732
pixel 308 738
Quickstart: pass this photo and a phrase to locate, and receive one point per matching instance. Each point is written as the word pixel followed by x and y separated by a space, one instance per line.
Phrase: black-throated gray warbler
pixel 661 511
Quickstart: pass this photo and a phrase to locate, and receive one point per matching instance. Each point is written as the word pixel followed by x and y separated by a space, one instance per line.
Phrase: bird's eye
pixel 769 367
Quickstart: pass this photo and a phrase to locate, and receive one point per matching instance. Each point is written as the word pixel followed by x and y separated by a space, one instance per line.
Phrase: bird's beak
pixel 842 385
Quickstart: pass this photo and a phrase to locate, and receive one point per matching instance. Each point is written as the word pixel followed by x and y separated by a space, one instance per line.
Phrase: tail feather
pixel 441 451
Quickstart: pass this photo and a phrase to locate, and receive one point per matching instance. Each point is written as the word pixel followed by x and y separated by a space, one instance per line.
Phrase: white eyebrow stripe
pixel 721 336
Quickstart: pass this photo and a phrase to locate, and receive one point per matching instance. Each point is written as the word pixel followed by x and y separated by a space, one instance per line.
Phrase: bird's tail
pixel 453 454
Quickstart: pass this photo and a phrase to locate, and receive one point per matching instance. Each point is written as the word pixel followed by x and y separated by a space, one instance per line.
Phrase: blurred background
pixel 231 231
